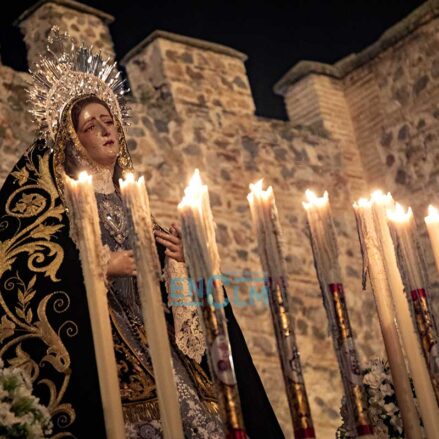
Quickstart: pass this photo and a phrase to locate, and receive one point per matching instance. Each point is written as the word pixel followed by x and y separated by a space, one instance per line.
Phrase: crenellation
pixel 199 76
pixel 82 22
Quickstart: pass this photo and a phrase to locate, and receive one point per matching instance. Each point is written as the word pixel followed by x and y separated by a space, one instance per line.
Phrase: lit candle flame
pixel 399 215
pixel 363 203
pixel 84 177
pixel 314 200
pixel 380 197
pixel 433 215
pixel 257 191
pixel 128 178
pixel 377 197
pixel 193 193
pixel 256 187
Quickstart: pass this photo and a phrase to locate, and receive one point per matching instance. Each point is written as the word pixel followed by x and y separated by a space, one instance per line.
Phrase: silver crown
pixel 67 71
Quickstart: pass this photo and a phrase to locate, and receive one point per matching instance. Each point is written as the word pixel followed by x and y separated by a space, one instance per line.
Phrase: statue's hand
pixel 172 241
pixel 121 264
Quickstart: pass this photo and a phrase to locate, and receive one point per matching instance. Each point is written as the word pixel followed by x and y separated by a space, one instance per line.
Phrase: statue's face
pixel 97 133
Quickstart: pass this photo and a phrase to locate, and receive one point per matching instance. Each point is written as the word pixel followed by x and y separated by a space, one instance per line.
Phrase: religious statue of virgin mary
pixel 77 100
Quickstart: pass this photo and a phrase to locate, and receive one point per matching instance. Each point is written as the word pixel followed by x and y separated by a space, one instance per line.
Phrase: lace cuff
pixel 189 334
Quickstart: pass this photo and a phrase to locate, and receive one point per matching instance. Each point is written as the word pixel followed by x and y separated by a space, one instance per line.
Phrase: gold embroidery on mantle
pixel 35 210
pixel 34 200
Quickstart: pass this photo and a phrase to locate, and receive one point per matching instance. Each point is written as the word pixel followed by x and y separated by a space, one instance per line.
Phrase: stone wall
pixel 230 156
pixel 232 148
pixel 397 122
pixel 393 101
pixel 16 128
pixel 368 120
pixel 390 90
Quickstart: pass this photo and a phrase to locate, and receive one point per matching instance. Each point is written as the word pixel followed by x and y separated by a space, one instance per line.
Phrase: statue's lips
pixel 109 143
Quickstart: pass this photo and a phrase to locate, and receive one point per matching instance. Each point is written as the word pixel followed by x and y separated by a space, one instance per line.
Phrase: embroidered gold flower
pixel 21 175
pixel 30 204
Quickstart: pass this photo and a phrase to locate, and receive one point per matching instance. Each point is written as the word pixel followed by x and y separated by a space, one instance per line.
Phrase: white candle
pixel 325 251
pixel 84 223
pixel 373 249
pixel 136 199
pixel 416 362
pixel 402 223
pixel 269 236
pixel 432 222
pixel 201 254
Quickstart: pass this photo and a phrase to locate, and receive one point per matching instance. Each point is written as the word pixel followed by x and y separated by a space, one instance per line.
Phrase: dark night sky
pixel 275 34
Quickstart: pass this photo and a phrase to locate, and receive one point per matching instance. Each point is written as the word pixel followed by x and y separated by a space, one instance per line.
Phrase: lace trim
pixel 189 334
pixel 102 180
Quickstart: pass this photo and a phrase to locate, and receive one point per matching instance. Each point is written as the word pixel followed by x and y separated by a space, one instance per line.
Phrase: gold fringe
pixel 145 411
pixel 142 411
